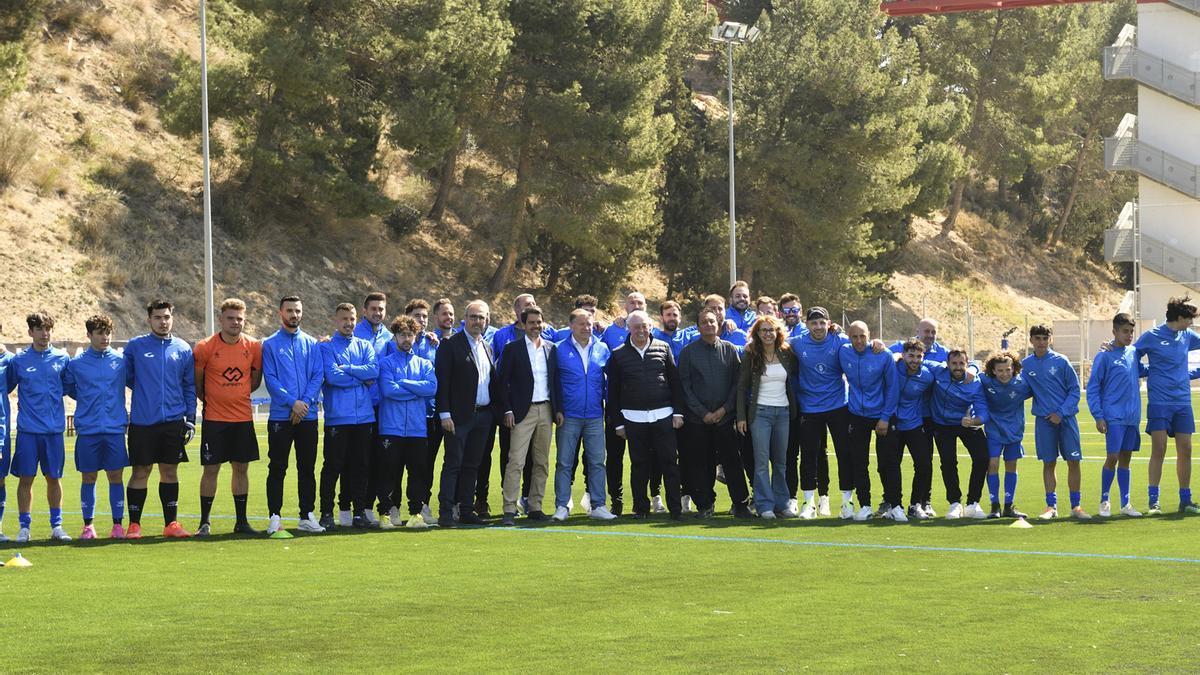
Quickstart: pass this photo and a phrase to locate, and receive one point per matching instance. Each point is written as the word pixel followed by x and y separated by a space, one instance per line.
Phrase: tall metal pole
pixel 209 301
pixel 732 201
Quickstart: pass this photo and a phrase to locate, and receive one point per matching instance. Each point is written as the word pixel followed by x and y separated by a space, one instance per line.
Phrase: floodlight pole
pixel 210 320
pixel 732 198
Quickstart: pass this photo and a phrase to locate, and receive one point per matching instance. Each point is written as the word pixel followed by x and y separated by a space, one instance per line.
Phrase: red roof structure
pixel 911 7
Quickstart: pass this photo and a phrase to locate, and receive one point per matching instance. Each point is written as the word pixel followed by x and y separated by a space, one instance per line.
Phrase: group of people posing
pixel 749 396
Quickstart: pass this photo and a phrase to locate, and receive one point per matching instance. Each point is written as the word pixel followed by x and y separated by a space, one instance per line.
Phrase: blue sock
pixel 1106 479
pixel 1052 499
pixel 116 501
pixel 24 519
pixel 1123 484
pixel 1075 499
pixel 55 517
pixel 993 483
pixel 87 501
pixel 1185 496
pixel 1153 492
pixel 1010 486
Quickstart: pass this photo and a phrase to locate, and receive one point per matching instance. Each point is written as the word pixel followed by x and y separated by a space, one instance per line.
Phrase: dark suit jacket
pixel 458 378
pixel 514 380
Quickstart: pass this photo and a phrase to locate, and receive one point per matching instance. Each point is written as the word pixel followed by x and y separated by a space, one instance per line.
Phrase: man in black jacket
pixel 525 392
pixel 464 369
pixel 645 406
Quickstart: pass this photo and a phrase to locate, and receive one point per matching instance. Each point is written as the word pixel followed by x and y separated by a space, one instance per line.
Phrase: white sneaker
pixel 601 513
pixel 975 511
pixel 955 512
pixel 823 505
pixel 585 503
pixel 372 517
pixel 847 511
pixel 929 512
pixel 657 506
pixel 416 522
pixel 345 518
pixel 808 512
pixel 427 515
pixel 561 513
pixel 59 534
pixel 793 506
pixel 897 514
pixel 765 515
pixel 864 513
pixel 394 516
pixel 274 525
pixel 22 535
pixel 789 513
pixel 1128 510
pixel 1105 510
pixel 916 512
pixel 1049 514
pixel 570 504
pixel 310 524
pixel 386 524
pixel 685 504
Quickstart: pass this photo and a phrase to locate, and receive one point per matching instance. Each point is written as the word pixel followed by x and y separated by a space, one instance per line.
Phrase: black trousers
pixel 483 483
pixel 821 482
pixel 706 446
pixel 855 458
pixel 813 427
pixel 647 442
pixel 397 453
pixel 975 442
pixel 889 452
pixel 280 438
pixel 347 452
pixel 433 441
pixel 461 458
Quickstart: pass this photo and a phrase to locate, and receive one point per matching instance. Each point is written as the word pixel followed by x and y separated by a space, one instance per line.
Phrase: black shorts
pixel 157 444
pixel 222 442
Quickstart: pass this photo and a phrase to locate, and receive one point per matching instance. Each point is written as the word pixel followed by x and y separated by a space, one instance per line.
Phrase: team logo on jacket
pixel 149 355
pixel 386 443
pixel 113 365
pixel 1053 370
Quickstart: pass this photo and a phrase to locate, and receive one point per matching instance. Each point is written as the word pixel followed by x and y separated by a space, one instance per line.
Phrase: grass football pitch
pixel 719 595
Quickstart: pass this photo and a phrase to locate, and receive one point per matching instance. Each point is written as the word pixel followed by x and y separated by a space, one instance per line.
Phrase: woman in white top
pixel 766 403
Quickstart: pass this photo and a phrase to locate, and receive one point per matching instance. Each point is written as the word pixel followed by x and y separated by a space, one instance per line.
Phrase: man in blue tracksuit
pixel 1114 397
pixel 872 396
pixel 95 378
pixel 914 380
pixel 350 369
pixel 1169 408
pixel 959 409
pixel 822 410
pixel 161 371
pixel 6 358
pixel 1006 391
pixel 406 382
pixel 740 312
pixel 935 352
pixel 1056 430
pixel 791 310
pixel 669 315
pixel 37 374
pixel 370 327
pixel 293 373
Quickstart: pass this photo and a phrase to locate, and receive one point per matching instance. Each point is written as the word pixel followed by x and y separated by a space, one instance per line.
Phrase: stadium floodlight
pixel 210 319
pixel 731 33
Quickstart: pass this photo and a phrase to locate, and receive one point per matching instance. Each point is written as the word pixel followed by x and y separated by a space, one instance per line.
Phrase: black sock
pixel 169 494
pixel 239 503
pixel 136 497
pixel 205 508
pixel 87 521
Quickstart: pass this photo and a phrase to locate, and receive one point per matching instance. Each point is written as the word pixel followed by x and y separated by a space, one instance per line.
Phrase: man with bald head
pixel 614 444
pixel 871 401
pixel 645 406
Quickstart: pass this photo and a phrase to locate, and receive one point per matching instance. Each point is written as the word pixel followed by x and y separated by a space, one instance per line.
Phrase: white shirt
pixel 483 364
pixel 645 416
pixel 772 387
pixel 541 375
pixel 583 351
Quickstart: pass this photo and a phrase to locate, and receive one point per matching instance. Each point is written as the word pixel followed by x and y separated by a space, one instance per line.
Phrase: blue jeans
pixel 567 439
pixel 769 434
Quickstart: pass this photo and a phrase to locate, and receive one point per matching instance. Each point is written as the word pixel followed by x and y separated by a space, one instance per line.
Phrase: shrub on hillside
pixel 99 213
pixel 17 144
pixel 402 221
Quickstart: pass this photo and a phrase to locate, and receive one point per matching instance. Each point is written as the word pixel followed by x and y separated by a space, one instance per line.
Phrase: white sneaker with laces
pixel 310 524
pixel 394 516
pixel 808 512
pixel 656 505
pixel 865 513
pixel 823 505
pixel 274 525
pixel 22 535
pixel 793 506
pixel 1105 510
pixel 955 512
pixel 426 514
pixel 929 512
pixel 1128 510
pixel 767 515
pixel 685 504
pixel 345 518
pixel 1049 514
pixel 561 513
pixel 847 511
pixel 585 503
pixel 975 511
pixel 570 504
pixel 897 514
pixel 601 513
pixel 59 534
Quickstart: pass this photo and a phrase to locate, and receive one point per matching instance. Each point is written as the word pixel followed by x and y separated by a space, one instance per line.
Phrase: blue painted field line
pixel 832 544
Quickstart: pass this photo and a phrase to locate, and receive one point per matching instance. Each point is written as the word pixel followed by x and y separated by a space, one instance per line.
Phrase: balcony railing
pixel 1124 152
pixel 1121 244
pixel 1127 62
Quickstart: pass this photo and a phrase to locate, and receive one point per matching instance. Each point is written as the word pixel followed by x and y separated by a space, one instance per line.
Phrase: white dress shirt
pixel 645 416
pixel 541 371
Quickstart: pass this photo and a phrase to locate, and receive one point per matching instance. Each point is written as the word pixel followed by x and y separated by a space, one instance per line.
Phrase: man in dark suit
pixel 525 392
pixel 464 369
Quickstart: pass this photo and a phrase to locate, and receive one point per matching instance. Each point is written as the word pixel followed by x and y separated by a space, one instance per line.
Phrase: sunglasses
pixel 791 310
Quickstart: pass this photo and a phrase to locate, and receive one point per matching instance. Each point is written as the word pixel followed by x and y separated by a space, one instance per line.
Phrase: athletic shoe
pixel 118 532
pixel 915 512
pixel 89 532
pixel 1079 514
pixel 203 531
pixel 244 527
pixel 361 522
pixel 1190 507
pixel 1011 511
pixel 741 511
pixel 865 513
pixel 617 508
pixel 274 525
pixel 345 518
pixel 426 514
pixel 561 513
pixel 570 504
pixel 472 519
pixel 720 474
pixel 601 513
pixel 656 505
pixel 787 513
pixel 955 512
pixel 1128 510
pixel 537 516
pixel 686 503
pixel 823 506
pixel 386 523
pixel 767 515
pixel 483 510
pixel 175 531
pixel 808 512
pixel 705 514
pixel 394 516
pixel 1154 510
pixel 22 535
pixel 847 511
pixel 995 513
pixel 929 512
pixel 416 522
pixel 371 517
pixel 1049 514
pixel 508 520
pixel 975 511
pixel 793 505
pixel 326 521
pixel 897 514
pixel 59 534
pixel 883 509
pixel 585 503
pixel 310 524
pixel 446 520
pixel 523 505
pixel 134 531
pixel 1105 509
